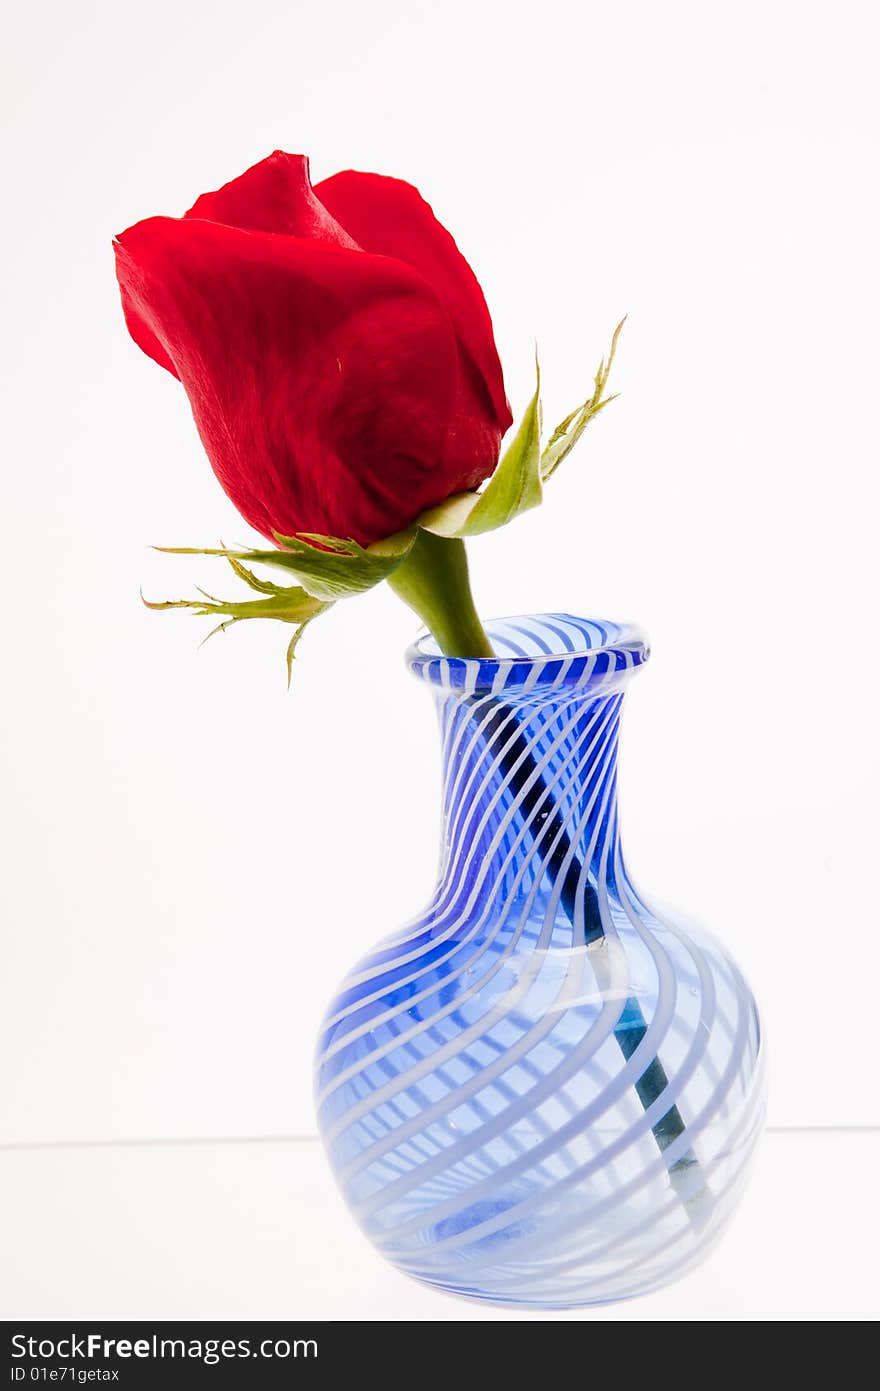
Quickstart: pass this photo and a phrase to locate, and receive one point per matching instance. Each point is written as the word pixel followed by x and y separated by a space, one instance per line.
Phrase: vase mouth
pixel 537 652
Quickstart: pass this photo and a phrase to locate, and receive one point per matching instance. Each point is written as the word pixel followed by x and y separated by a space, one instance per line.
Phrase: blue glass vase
pixel 542 1091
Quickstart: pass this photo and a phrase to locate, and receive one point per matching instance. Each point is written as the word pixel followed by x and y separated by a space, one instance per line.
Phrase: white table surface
pixel 256 1230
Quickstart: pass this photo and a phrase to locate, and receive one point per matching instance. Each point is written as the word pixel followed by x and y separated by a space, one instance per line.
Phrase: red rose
pixel 335 346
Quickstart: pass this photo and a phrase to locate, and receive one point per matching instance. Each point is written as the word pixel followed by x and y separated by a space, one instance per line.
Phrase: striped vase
pixel 542 1091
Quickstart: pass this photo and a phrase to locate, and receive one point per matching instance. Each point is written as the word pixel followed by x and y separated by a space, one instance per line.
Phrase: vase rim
pixel 535 652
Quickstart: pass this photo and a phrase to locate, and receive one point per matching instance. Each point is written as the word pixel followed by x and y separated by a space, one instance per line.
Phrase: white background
pixel 193 857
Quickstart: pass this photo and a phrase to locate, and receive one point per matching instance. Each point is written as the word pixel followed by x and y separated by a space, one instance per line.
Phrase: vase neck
pixel 529 791
pixel 529 740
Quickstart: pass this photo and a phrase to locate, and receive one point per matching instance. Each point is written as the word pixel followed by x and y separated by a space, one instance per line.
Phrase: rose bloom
pixel 334 344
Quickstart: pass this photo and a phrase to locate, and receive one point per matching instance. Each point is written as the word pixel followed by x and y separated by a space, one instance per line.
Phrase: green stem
pixel 434 582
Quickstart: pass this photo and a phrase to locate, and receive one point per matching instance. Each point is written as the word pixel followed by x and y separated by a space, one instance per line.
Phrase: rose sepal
pixel 283 603
pixel 517 485
pixel 327 567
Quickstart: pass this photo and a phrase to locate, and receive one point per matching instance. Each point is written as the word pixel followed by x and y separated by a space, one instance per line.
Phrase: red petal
pixel 323 381
pixel 390 217
pixel 128 274
pixel 273 196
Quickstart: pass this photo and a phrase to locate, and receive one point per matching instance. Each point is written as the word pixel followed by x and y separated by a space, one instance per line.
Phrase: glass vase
pixel 542 1091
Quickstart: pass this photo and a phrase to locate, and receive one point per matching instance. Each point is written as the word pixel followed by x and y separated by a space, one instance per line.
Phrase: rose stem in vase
pixel 435 583
pixel 518 764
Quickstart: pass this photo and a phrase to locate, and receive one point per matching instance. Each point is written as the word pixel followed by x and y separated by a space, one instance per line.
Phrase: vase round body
pixel 542 1091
